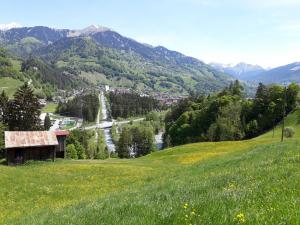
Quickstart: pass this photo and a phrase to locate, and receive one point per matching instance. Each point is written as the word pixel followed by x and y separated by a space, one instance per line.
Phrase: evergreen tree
pixel 3 107
pixel 24 110
pixel 2 128
pixel 47 122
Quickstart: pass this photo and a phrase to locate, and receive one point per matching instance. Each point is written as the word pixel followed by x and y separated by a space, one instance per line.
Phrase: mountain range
pixel 241 71
pixel 254 73
pixel 99 55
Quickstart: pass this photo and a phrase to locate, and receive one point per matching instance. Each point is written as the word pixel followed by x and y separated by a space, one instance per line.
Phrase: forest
pixel 131 104
pixel 83 106
pixel 228 115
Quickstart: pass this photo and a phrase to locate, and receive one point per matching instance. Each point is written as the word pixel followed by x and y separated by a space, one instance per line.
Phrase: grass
pixel 246 182
pixel 9 85
pixel 50 108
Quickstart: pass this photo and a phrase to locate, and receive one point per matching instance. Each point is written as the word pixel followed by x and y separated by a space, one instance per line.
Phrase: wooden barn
pixel 61 147
pixel 22 146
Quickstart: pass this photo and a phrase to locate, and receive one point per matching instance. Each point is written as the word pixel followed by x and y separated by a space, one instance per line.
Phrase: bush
pixel 71 152
pixel 289 132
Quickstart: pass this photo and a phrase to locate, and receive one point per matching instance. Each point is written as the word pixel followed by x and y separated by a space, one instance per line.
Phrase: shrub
pixel 289 132
pixel 71 152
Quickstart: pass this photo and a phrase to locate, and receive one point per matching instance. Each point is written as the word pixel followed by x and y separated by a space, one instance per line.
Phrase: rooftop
pixel 21 139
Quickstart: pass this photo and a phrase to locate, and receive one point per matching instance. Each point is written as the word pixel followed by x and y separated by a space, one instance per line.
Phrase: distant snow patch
pixel 9 26
pixel 296 68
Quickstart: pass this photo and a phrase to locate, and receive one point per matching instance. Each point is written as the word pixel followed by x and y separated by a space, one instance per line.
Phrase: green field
pixel 50 108
pixel 245 182
pixel 9 85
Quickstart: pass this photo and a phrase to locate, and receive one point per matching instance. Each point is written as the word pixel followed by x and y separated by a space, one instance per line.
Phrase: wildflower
pixel 185 206
pixel 240 217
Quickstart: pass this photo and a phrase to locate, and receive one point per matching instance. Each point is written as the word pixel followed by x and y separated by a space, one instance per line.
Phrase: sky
pixel 262 32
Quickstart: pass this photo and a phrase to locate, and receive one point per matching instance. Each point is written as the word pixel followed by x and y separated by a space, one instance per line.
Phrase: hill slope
pixel 247 182
pixel 97 51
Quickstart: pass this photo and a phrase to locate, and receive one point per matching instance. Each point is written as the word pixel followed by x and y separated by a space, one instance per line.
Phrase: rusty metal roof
pixel 62 132
pixel 21 139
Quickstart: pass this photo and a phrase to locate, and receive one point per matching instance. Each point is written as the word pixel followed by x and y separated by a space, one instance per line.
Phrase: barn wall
pixel 21 155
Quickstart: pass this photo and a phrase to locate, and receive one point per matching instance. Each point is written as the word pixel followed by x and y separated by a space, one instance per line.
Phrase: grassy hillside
pixel 246 182
pixel 9 85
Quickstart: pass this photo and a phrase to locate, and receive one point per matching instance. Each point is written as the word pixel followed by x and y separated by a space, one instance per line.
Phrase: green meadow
pixel 50 108
pixel 9 85
pixel 245 182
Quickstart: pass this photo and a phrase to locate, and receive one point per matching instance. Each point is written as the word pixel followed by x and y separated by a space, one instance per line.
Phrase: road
pixel 108 124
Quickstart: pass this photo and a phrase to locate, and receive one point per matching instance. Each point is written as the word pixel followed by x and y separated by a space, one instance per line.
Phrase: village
pixel 22 146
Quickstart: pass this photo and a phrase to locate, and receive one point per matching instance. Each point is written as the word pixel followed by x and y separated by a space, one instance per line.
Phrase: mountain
pixel 100 55
pixel 240 71
pixel 283 74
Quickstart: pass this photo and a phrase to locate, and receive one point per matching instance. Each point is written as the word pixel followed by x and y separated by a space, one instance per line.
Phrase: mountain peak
pixel 94 29
pixel 8 26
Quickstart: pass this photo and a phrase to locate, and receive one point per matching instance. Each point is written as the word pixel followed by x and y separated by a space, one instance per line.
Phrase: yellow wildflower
pixel 240 217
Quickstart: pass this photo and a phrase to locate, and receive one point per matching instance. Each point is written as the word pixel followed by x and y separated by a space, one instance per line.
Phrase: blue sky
pixel 264 32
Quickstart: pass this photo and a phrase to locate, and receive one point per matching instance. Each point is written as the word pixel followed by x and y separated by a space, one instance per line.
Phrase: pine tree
pixel 24 110
pixel 47 122
pixel 3 107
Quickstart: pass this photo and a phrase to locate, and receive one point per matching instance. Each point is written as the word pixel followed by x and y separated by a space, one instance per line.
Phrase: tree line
pixel 131 104
pixel 82 145
pixel 83 106
pixel 137 139
pixel 228 115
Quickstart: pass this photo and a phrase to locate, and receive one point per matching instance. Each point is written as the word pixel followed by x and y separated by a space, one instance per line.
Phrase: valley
pixel 109 125
pixel 247 177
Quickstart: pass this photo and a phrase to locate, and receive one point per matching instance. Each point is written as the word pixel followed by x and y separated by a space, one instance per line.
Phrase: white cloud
pixel 9 26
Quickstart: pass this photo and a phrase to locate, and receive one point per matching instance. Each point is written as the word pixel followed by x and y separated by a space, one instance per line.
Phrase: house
pixel 22 146
pixel 61 147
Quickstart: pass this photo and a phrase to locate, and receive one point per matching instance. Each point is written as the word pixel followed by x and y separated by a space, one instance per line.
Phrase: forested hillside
pixel 228 115
pixel 104 56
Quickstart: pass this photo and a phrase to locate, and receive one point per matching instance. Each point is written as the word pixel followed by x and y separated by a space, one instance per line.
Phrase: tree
pixel 3 107
pixel 24 110
pixel 292 96
pixel 142 140
pixel 124 143
pixel 71 152
pixel 47 122
pixel 80 151
pixel 228 125
pixel 2 128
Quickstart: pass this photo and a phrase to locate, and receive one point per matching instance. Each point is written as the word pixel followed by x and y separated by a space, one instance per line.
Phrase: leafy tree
pixel 124 143
pixel 80 151
pixel 47 122
pixel 228 125
pixel 227 115
pixel 292 96
pixel 71 152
